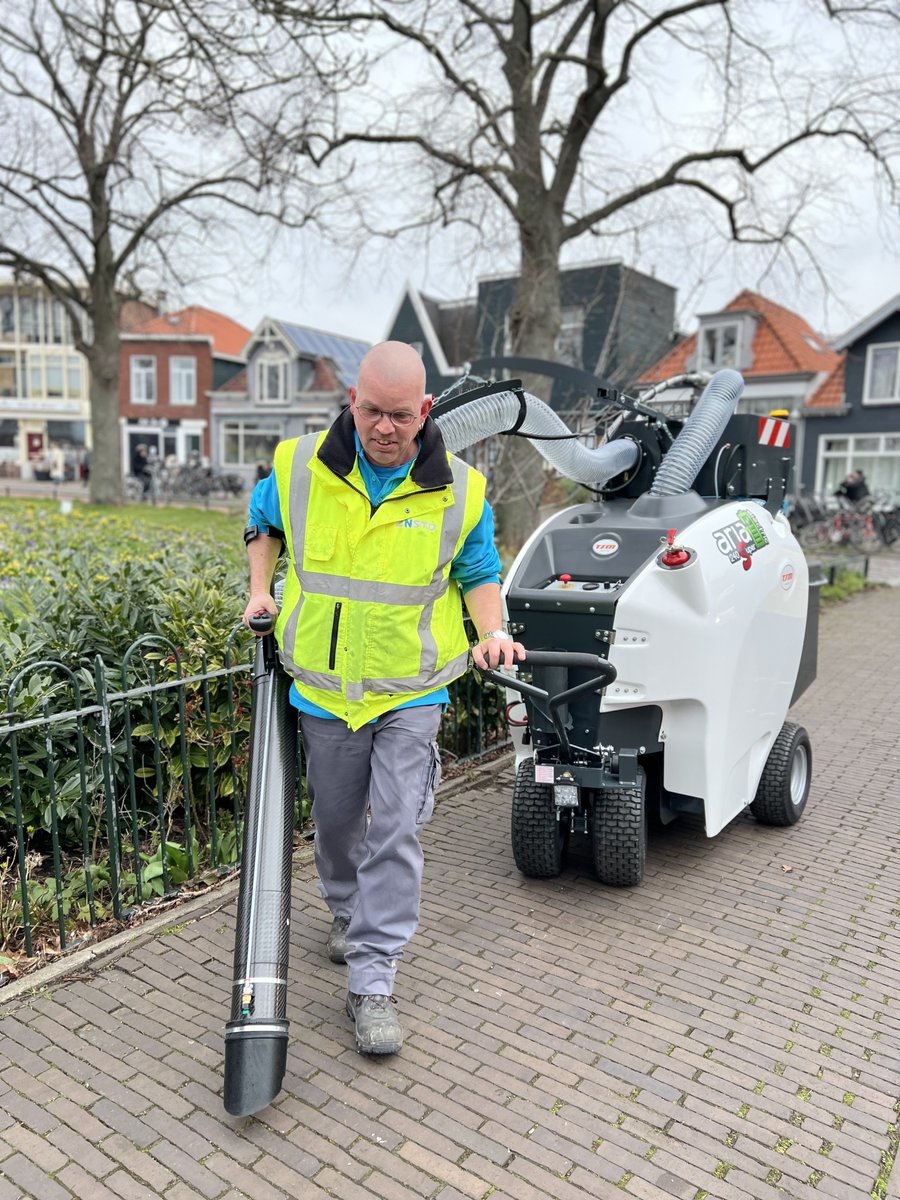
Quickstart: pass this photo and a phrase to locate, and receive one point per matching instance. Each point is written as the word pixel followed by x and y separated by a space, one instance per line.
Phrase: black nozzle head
pixel 254 1069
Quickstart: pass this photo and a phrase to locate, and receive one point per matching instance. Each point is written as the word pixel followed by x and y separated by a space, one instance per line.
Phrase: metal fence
pixel 121 786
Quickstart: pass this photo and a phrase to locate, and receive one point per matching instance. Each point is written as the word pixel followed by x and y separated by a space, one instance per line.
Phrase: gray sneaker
pixel 377 1028
pixel 337 940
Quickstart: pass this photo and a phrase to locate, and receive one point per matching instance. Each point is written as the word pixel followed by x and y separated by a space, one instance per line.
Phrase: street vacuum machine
pixel 669 624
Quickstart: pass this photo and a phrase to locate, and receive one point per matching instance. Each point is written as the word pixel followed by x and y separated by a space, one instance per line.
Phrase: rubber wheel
pixel 816 534
pixel 784 785
pixel 619 835
pixel 539 840
pixel 891 535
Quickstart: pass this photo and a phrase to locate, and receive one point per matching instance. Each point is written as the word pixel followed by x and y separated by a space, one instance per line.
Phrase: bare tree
pixel 128 127
pixel 538 123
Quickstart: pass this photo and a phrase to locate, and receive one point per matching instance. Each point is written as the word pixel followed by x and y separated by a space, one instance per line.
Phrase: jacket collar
pixel 429 470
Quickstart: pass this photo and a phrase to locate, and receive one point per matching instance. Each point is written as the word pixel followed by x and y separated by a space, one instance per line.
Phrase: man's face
pixel 387 442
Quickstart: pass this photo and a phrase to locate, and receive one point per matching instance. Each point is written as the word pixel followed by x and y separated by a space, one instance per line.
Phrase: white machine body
pixel 715 644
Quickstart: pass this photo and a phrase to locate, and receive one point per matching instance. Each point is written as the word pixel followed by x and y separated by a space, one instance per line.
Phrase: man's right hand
pixel 259 602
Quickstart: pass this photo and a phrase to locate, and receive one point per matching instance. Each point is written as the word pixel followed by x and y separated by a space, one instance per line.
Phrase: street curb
pixel 178 912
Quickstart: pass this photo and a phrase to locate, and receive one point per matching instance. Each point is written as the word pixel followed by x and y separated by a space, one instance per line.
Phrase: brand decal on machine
pixel 740 540
pixel 788 575
pixel 428 526
pixel 606 546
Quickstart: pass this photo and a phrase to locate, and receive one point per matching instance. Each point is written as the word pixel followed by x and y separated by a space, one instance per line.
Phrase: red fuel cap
pixel 673 556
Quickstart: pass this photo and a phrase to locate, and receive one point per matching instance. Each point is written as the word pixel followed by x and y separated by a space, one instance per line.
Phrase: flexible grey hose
pixel 490 415
pixel 701 431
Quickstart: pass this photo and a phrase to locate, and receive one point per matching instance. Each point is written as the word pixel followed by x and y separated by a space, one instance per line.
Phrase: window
pixel 271 379
pixel 74 377
pixel 53 365
pixel 882 384
pixel 719 346
pixel 143 379
pixel 876 455
pixel 570 336
pixel 7 316
pixel 761 406
pixel 28 319
pixel 244 443
pixel 9 374
pixel 183 380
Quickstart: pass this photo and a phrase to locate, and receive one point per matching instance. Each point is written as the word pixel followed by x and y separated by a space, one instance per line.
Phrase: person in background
pixel 386 533
pixel 57 463
pixel 853 488
pixel 140 467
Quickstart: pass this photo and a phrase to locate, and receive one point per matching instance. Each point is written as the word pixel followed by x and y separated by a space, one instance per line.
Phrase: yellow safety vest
pixel 370 617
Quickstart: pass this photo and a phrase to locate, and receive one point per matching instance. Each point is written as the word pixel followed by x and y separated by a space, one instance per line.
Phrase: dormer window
pixel 720 346
pixel 272 372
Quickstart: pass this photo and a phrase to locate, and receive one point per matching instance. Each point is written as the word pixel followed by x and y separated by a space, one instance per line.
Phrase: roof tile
pixel 783 344
pixel 830 392
pixel 228 337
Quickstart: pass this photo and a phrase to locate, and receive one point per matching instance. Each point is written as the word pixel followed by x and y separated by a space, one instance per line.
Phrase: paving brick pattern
pixel 729 1030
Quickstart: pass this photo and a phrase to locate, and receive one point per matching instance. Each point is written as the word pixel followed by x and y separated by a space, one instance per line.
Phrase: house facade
pixel 169 368
pixel 785 363
pixel 615 322
pixel 44 386
pixel 295 382
pixel 853 421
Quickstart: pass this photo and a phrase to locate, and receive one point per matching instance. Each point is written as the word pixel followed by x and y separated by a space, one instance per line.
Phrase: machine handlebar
pixel 604 671
pixel 262 621
pixel 562 658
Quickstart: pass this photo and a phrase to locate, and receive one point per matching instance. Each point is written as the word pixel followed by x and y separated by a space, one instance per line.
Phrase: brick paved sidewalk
pixel 728 1030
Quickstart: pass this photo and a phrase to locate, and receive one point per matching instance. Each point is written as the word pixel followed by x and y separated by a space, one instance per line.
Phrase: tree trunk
pixel 103 359
pixel 534 325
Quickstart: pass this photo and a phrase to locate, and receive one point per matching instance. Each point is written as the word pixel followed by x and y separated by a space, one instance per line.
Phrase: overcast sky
pixel 304 280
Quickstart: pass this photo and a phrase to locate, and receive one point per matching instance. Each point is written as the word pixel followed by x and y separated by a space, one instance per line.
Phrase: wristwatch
pixel 497 633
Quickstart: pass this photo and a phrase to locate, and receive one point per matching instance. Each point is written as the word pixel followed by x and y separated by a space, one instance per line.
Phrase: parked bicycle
pixel 179 483
pixel 869 526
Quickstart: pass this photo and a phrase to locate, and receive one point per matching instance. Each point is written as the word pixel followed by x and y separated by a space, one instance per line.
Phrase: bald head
pixel 394 366
pixel 389 404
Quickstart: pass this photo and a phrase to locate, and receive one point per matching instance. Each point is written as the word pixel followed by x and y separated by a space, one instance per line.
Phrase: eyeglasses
pixel 370 413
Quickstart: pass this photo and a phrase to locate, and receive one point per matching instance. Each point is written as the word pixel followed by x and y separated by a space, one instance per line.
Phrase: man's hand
pixel 494 652
pixel 259 602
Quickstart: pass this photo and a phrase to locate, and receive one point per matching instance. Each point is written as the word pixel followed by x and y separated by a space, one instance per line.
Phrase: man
pixel 384 531
pixel 853 488
pixel 140 467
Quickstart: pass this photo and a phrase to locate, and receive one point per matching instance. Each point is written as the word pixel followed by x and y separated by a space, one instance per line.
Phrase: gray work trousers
pixel 372 791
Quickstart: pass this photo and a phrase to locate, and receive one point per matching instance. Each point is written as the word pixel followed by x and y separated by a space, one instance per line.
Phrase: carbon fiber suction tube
pixel 701 431
pixel 256 1037
pixel 498 413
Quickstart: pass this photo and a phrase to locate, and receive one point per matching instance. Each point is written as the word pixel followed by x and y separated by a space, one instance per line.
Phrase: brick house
pixel 170 365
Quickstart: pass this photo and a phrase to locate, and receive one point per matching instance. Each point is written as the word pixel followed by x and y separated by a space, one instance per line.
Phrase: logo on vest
pixel 425 526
